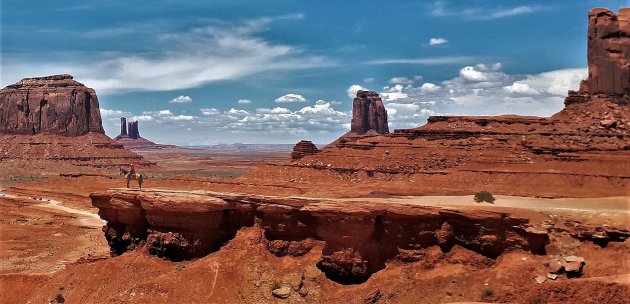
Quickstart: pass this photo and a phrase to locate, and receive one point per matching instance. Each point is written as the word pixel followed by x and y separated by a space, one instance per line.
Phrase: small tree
pixel 484 196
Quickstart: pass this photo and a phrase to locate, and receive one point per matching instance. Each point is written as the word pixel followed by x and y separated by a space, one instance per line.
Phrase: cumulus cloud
pixel 437 41
pixel 400 80
pixel 291 98
pixel 244 101
pixel 482 89
pixel 352 90
pixel 218 52
pixel 428 87
pixel 209 111
pixel 142 118
pixel 181 99
pixel 521 88
pixel 105 113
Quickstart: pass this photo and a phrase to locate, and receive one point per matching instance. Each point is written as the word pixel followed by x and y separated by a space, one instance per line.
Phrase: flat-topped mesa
pixel 368 114
pixel 53 104
pixel 608 56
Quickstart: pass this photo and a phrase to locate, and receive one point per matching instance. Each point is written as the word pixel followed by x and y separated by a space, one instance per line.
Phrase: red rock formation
pixel 131 139
pixel 134 132
pixel 53 104
pixel 368 114
pixel 608 52
pixel 584 150
pixel 303 148
pixel 358 237
pixel 123 126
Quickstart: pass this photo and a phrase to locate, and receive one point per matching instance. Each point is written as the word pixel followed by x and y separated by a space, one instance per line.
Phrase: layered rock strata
pixel 55 120
pixel 303 148
pixel 368 114
pixel 358 237
pixel 53 104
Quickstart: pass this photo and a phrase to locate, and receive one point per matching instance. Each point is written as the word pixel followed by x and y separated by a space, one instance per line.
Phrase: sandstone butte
pixel 55 119
pixel 130 137
pixel 582 151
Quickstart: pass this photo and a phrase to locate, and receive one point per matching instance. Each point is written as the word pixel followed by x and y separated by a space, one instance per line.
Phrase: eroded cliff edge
pixel 358 237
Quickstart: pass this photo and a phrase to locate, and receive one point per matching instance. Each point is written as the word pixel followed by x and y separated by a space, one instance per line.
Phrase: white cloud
pixel 437 41
pixel 428 87
pixel 352 90
pixel 482 89
pixel 180 117
pixel 244 101
pixel 142 118
pixel 521 88
pixel 276 110
pixel 181 99
pixel 105 113
pixel 394 93
pixel 224 51
pixel 400 80
pixel 160 113
pixel 470 74
pixel 368 80
pixel 291 98
pixel 209 111
pixel 485 13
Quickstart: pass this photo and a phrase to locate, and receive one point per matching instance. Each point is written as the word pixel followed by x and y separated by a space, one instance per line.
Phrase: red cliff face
pixel 53 104
pixel 608 53
pixel 368 114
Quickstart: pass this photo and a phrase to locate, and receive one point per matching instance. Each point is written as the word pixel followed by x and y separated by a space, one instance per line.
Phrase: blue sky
pixel 206 72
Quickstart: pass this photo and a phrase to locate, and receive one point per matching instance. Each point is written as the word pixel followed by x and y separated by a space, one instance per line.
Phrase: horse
pixel 137 176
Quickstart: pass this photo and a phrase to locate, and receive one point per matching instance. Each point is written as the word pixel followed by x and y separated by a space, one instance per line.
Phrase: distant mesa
pixel 369 115
pixel 130 135
pixel 53 105
pixel 303 148
pixel 55 121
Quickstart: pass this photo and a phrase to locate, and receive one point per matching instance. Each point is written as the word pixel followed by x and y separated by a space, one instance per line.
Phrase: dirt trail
pixel 84 218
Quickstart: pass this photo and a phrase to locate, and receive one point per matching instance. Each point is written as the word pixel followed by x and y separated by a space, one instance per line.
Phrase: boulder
pixel 282 292
pixel 53 104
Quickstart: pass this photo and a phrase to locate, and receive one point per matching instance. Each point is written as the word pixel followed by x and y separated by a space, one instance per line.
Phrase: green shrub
pixel 59 298
pixel 484 196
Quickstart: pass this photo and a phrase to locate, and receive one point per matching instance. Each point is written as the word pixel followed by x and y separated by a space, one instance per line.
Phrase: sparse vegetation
pixel 484 196
pixel 487 293
pixel 59 298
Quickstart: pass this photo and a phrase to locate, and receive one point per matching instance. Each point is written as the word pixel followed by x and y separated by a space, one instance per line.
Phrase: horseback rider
pixel 132 169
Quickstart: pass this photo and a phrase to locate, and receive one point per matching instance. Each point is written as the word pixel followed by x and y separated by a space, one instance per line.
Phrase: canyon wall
pixel 52 104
